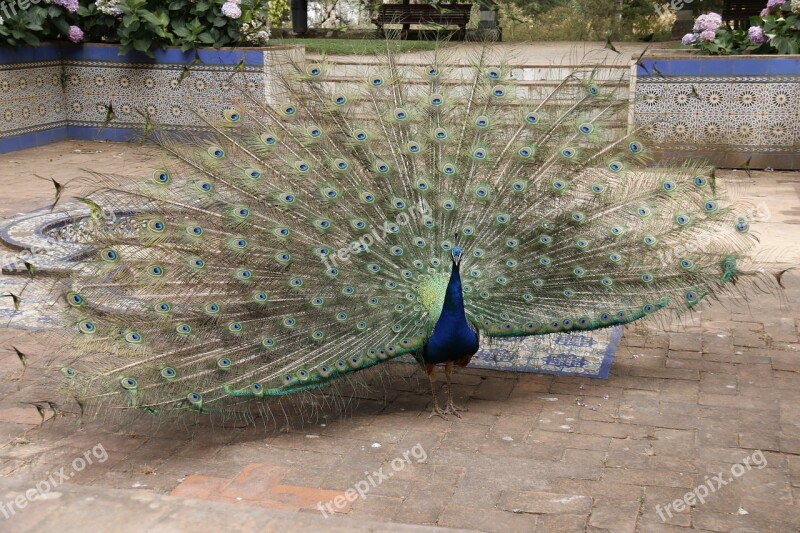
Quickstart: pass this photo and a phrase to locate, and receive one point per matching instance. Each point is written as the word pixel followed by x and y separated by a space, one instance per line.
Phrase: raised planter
pixel 64 91
pixel 735 112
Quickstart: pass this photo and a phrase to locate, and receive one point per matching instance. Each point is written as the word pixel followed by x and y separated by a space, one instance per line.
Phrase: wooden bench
pixel 423 14
pixel 739 11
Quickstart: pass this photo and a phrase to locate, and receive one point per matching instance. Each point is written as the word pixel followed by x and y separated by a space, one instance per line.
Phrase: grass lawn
pixel 355 46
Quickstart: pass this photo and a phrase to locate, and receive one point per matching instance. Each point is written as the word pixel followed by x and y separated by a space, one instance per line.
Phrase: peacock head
pixel 456 254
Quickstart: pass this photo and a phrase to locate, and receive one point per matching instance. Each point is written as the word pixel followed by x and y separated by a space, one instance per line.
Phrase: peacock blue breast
pixel 452 338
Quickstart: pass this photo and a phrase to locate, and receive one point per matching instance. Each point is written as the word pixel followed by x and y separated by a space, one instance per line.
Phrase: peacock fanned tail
pixel 304 240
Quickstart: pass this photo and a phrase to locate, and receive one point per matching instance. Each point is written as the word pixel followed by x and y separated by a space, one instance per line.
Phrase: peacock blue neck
pixel 453 338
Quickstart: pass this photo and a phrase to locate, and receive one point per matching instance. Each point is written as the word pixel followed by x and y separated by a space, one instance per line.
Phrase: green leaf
pixel 206 38
pixel 143 44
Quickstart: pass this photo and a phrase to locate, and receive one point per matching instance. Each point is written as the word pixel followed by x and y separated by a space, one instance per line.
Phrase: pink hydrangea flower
pixel 756 35
pixel 708 22
pixel 707 35
pixel 688 39
pixel 69 5
pixel 773 3
pixel 231 10
pixel 75 34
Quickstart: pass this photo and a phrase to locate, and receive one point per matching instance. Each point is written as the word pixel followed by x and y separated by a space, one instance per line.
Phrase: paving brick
pixel 487 520
pixel 544 502
pixel 614 516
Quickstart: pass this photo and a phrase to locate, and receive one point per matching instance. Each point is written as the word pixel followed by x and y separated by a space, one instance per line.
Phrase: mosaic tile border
pixel 61 91
pixel 734 111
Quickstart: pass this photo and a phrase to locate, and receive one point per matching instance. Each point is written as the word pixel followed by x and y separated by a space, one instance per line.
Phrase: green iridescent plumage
pixel 304 240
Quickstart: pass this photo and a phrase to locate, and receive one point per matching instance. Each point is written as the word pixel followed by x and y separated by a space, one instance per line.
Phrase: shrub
pixel 142 25
pixel 776 30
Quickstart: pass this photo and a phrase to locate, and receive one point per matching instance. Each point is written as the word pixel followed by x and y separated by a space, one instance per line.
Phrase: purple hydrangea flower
pixel 764 12
pixel 708 22
pixel 75 34
pixel 688 39
pixel 231 10
pixel 773 3
pixel 756 35
pixel 707 35
pixel 69 5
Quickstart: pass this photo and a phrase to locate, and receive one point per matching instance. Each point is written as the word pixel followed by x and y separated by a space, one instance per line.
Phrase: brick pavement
pixel 684 401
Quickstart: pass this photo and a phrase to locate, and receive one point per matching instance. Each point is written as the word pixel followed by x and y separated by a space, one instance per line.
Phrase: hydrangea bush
pixel 776 30
pixel 142 25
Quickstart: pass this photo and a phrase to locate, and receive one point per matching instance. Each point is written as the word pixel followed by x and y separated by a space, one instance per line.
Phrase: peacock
pixel 413 209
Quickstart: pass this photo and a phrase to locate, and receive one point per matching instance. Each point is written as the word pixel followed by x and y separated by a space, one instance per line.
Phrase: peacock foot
pixel 453 409
pixel 436 411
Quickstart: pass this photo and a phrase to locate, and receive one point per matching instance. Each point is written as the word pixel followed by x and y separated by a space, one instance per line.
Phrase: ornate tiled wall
pixel 31 97
pixel 90 92
pixel 741 111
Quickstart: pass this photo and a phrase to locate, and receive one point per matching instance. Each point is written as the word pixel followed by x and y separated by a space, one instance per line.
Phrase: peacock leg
pixel 451 407
pixel 436 411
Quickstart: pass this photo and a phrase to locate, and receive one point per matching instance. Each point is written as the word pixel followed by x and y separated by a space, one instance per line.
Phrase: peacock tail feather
pixel 299 241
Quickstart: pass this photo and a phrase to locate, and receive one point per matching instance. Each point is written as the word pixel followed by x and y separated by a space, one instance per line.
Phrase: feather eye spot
pixel 700 181
pixel 579 272
pixel 231 115
pixel 493 73
pixel 340 100
pixel 644 211
pixel 687 264
pixel 296 282
pixel 168 373
pixel 437 99
pixel 598 188
pixel 538 283
pixel 348 291
pixel 413 147
pixel 668 186
pixel 400 114
pixel 289 322
pixel 162 308
pixel 433 72
pixel 314 70
pixel 525 152
pixel 568 153
pixel 391 284
pixel 314 132
pixel 161 177
pixel 635 147
pixel 586 128
pixel 440 133
pixel 243 274
pixel 133 338
pixel 498 91
pixel 376 81
pixel 196 399
pixel 647 278
pixel 568 293
pixel 682 220
pixel 479 153
pixel 360 135
pixel 224 363
pixel 289 110
pixel 318 335
pixel 374 267
pixel 559 185
pixel 448 205
pixel 711 206
pixel 211 309
pixel 578 217
pixel 183 329
pixel 216 152
pixel 268 139
pixel 742 226
pixel 615 258
pixel 691 296
pixel 593 89
pixel 545 261
pixel 128 383
pixel 519 185
pixel 156 225
pixel 512 243
pixel 449 169
pixel 482 121
pixel 482 192
pixel 260 296
pixel 109 255
pixel 74 299
pixel 155 271
pixel 616 166
pixel 606 282
pixel 196 262
pixel 532 118
pixel 268 342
